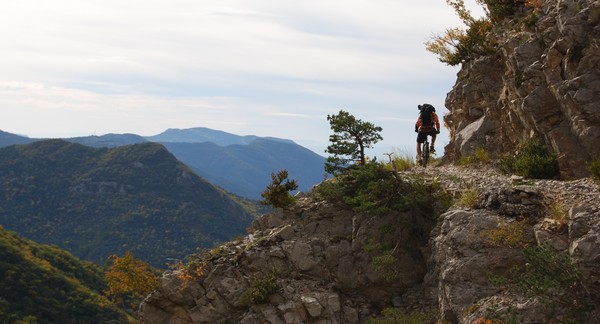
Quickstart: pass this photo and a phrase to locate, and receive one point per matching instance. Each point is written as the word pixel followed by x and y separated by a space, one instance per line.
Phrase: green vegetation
pixel 372 188
pixel 349 140
pixel 468 199
pixel 277 193
pixel 388 266
pixel 458 45
pixel 481 156
pixel 533 160
pixel 99 202
pixel 549 276
pixel 594 168
pixel 43 284
pixel 400 161
pixel 558 211
pixel 261 288
pixel 514 234
pixel 397 316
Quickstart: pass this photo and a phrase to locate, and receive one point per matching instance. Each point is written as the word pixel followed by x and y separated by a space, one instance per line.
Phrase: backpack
pixel 426 115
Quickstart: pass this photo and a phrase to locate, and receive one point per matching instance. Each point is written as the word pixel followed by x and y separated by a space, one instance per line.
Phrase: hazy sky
pixel 248 67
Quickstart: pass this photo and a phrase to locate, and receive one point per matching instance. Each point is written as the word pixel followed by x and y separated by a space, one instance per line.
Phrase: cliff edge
pixel 320 262
pixel 542 82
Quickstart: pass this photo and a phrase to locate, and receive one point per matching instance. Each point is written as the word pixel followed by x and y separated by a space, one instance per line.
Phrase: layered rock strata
pixel 543 82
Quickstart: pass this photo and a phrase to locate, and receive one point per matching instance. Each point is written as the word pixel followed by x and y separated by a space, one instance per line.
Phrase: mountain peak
pixel 203 134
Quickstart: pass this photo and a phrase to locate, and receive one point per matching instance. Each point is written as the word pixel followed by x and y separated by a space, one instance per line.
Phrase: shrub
pixel 387 265
pixel 481 156
pixel 511 235
pixel 549 276
pixel 277 192
pixel 558 211
pixel 130 279
pixel 397 315
pixel 500 9
pixel 261 288
pixel 594 168
pixel 533 161
pixel 468 199
pixel 372 188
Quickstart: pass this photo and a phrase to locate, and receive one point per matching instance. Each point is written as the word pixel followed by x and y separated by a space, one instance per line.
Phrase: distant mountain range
pixel 239 164
pixel 95 202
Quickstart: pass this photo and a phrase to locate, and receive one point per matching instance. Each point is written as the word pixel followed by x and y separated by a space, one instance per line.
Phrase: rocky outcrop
pixel 323 262
pixel 319 262
pixel 543 82
pixel 473 247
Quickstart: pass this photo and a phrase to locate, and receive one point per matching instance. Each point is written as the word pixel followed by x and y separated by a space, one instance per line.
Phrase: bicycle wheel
pixel 425 153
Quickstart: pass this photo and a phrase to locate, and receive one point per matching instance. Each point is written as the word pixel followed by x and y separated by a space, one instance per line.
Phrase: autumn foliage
pixel 129 278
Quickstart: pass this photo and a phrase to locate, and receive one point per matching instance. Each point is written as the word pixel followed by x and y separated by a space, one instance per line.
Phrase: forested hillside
pixel 95 202
pixel 245 169
pixel 240 164
pixel 45 284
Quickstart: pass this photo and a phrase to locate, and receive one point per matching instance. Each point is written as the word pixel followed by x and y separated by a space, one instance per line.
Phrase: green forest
pixel 45 284
pixel 95 202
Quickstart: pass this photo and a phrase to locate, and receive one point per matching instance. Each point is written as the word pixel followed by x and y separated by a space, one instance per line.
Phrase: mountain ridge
pixel 243 176
pixel 56 192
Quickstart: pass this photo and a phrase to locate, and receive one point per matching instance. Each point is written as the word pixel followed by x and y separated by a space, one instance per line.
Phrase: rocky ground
pixel 580 192
pixel 319 262
pixel 486 238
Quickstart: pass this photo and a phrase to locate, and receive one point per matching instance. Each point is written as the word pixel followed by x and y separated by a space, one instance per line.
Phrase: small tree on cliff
pixel 349 140
pixel 277 193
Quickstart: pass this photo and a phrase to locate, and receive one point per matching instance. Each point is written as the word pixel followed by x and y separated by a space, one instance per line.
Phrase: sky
pixel 248 67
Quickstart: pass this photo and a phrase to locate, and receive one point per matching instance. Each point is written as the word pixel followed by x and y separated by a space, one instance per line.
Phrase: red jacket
pixel 434 119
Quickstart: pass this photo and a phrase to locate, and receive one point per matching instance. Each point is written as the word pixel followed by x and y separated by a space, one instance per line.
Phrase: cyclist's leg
pixel 420 139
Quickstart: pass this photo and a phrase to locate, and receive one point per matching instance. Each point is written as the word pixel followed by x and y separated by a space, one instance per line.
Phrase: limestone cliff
pixel 319 262
pixel 542 82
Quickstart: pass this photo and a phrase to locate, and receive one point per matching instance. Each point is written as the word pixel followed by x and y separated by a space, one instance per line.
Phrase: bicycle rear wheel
pixel 425 154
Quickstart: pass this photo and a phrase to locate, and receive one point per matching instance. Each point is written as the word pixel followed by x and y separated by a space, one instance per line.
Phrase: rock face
pixel 543 82
pixel 320 259
pixel 322 263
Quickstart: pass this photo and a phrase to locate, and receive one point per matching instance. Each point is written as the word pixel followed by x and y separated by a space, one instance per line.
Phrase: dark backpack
pixel 426 115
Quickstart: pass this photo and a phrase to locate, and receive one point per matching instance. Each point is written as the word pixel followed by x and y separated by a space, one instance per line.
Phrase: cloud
pixel 263 67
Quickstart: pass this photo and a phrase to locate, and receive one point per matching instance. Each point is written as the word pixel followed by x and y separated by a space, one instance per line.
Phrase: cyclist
pixel 428 123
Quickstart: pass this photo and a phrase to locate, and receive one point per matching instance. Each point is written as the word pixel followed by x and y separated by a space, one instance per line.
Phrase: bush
pixel 514 235
pixel 481 156
pixel 277 192
pixel 533 161
pixel 550 276
pixel 372 188
pixel 261 288
pixel 396 315
pixel 468 199
pixel 594 168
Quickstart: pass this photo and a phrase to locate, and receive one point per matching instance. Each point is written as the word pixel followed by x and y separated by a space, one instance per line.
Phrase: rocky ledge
pixel 319 262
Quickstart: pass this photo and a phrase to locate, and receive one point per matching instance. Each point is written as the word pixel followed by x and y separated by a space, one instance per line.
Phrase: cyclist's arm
pixel 436 121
